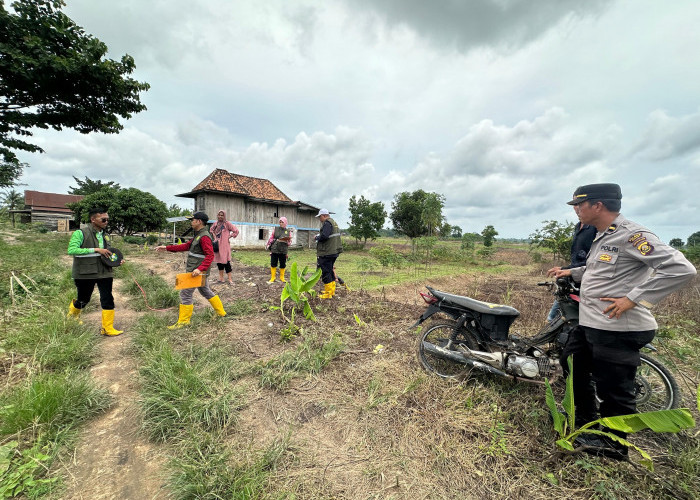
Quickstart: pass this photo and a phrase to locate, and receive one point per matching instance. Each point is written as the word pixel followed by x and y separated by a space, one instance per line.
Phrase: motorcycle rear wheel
pixel 439 333
pixel 655 386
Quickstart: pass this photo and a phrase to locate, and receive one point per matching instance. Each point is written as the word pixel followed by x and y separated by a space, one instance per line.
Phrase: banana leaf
pixel 568 401
pixel 309 284
pixel 558 418
pixel 294 277
pixel 308 312
pixel 658 421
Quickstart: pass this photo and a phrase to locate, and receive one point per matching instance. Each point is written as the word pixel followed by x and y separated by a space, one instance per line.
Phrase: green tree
pixel 432 211
pixel 130 210
pixel 416 214
pixel 489 232
pixel 445 230
pixel 676 243
pixel 366 218
pixel 456 232
pixel 554 236
pixel 12 200
pixel 693 240
pixel 88 186
pixel 407 213
pixel 54 75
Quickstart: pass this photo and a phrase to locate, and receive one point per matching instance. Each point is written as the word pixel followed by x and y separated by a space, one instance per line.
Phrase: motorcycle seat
pixel 475 305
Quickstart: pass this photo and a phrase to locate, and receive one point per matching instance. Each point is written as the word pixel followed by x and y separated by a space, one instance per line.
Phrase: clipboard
pixel 186 280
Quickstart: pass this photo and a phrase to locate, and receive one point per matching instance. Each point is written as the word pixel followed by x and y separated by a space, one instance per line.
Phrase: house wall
pixel 256 220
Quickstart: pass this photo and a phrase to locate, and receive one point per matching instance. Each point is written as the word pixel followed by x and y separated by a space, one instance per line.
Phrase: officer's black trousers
pixel 610 360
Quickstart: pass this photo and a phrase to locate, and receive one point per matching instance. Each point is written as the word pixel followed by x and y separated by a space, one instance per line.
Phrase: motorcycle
pixel 476 337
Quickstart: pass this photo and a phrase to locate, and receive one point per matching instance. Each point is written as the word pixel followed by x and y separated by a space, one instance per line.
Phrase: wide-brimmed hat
pixel 593 192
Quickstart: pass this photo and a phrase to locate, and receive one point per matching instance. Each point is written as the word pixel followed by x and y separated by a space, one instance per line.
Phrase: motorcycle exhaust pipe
pixel 460 358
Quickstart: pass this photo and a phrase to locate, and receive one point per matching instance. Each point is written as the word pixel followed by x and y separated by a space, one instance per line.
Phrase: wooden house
pixel 49 209
pixel 254 205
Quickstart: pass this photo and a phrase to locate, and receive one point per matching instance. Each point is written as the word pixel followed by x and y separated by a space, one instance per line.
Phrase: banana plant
pixel 297 289
pixel 658 421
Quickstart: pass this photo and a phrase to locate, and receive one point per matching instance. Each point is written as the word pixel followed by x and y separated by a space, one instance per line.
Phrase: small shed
pixel 254 205
pixel 49 209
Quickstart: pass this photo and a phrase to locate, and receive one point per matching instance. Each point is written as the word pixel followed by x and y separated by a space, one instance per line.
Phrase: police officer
pixel 627 272
pixel 200 255
pixel 328 248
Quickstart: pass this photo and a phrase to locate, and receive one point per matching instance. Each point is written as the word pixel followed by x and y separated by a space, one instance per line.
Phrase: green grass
pixel 53 341
pixel 158 292
pixel 206 469
pixel 51 404
pixel 308 358
pixel 184 390
pixel 362 271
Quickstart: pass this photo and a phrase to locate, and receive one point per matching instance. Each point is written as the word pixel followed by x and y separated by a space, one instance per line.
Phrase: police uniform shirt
pixel 628 260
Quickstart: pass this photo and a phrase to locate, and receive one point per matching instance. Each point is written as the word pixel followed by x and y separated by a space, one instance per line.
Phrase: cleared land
pixel 227 407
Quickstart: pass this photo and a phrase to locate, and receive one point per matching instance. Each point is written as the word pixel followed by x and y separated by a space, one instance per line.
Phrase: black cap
pixel 591 192
pixel 199 215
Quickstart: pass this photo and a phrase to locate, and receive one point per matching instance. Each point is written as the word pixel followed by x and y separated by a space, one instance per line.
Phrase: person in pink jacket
pixel 222 230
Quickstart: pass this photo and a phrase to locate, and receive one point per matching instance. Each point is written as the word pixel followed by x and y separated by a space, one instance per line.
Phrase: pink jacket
pixel 222 232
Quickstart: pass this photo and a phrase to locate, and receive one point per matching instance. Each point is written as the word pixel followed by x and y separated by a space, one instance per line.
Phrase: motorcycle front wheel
pixel 655 386
pixel 439 333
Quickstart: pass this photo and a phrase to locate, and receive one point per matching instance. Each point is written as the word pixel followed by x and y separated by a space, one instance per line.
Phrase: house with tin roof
pixel 254 205
pixel 49 209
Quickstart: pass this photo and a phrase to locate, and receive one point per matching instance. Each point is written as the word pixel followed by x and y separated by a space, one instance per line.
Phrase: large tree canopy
pixel 130 210
pixel 366 218
pixel 88 186
pixel 418 213
pixel 54 75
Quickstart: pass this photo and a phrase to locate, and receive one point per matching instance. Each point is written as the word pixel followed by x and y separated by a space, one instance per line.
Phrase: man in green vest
pixel 328 247
pixel 199 258
pixel 86 246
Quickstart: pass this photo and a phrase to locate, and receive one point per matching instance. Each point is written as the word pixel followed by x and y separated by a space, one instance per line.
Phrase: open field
pixel 226 408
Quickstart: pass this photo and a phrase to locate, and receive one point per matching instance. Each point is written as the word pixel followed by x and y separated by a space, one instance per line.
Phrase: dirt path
pixel 112 460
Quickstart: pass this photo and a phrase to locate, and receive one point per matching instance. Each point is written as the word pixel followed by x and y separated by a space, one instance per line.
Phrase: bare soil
pixel 370 425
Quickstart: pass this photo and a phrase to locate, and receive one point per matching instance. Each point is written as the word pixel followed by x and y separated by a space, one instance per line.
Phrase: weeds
pixel 307 358
pixel 185 390
pixel 147 289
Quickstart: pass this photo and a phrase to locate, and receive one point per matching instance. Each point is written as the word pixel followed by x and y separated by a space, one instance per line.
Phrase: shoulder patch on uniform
pixel 611 229
pixel 605 257
pixel 644 247
pixel 636 238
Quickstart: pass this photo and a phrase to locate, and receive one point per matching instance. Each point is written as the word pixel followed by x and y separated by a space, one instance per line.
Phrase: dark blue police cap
pixel 592 192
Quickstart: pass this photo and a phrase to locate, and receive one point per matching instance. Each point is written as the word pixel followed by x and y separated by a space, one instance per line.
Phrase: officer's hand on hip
pixel 618 306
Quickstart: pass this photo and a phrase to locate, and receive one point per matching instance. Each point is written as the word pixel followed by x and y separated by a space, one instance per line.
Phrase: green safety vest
pixel 196 256
pixel 277 245
pixel 332 245
pixel 90 266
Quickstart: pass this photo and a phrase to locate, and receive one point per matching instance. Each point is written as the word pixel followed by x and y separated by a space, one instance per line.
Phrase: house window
pixel 261 234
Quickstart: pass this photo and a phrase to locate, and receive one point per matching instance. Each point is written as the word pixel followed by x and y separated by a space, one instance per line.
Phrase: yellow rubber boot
pixel 184 318
pixel 273 274
pixel 215 302
pixel 74 312
pixel 282 275
pixel 332 289
pixel 108 324
pixel 326 291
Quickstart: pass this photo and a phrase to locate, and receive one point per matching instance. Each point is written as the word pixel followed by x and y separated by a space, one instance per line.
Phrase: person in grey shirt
pixel 627 272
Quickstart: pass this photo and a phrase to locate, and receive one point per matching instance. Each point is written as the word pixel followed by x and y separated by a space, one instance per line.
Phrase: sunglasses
pixel 105 219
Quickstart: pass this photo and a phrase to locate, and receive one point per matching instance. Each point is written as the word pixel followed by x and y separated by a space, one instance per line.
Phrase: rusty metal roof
pixel 223 181
pixel 50 202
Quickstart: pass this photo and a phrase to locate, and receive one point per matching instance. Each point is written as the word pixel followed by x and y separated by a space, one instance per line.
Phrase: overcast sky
pixel 502 106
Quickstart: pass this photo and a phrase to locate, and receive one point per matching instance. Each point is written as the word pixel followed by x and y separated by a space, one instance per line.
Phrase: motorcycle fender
pixel 432 309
